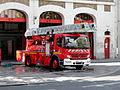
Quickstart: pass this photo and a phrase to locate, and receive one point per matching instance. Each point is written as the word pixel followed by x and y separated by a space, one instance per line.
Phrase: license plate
pixel 67 61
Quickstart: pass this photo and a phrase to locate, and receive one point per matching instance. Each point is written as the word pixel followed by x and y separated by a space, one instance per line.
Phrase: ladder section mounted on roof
pixel 81 27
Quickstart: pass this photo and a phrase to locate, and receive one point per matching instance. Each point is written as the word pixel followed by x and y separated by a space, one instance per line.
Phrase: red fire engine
pixel 57 46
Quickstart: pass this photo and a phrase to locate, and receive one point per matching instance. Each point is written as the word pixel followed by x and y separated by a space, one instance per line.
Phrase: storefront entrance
pixel 10 42
pixel 12 29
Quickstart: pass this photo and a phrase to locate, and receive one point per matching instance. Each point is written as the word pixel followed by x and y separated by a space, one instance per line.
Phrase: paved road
pixel 21 75
pixel 64 81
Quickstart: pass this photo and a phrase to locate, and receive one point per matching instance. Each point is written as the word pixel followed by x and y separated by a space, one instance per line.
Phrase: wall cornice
pixel 86 2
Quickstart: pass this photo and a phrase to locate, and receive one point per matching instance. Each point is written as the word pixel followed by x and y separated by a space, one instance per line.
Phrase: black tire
pixel 55 64
pixel 28 61
pixel 79 67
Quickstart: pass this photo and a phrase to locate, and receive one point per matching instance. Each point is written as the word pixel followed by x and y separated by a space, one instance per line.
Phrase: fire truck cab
pixel 57 46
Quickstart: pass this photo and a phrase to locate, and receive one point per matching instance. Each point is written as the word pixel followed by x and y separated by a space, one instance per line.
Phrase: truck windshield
pixel 77 42
pixel 73 42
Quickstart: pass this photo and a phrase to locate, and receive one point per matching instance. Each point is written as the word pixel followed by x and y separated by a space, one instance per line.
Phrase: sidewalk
pixel 105 60
pixel 10 62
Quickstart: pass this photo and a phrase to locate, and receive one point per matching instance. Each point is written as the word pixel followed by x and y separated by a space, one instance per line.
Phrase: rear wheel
pixel 28 61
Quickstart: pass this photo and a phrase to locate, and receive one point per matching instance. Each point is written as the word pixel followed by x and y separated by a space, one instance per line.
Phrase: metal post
pixel 0 53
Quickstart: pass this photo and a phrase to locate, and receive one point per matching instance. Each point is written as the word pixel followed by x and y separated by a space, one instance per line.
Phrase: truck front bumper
pixel 69 62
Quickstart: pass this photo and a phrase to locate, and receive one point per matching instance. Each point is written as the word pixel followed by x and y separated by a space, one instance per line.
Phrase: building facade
pixel 18 15
pixel 118 27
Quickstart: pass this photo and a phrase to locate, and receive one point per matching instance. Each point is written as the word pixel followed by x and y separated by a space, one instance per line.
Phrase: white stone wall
pixel 104 20
pixel 118 25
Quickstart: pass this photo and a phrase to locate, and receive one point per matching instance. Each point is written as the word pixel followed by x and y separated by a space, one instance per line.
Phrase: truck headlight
pixel 88 56
pixel 68 56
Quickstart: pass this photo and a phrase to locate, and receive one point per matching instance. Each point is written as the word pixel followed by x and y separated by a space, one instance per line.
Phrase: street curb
pixel 104 60
pixel 7 85
pixel 10 63
pixel 23 84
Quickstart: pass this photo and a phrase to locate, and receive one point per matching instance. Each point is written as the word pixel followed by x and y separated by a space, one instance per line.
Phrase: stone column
pixel 100 32
pixel 33 18
pixel 69 18
pixel 118 26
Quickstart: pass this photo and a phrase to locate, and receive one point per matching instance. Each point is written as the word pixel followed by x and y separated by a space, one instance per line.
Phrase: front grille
pixel 83 55
pixel 79 55
pixel 79 62
pixel 75 55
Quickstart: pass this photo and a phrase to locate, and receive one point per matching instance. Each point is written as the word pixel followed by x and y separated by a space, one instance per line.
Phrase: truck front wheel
pixel 55 64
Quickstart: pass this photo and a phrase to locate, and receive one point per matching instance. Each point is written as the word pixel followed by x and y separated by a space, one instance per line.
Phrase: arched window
pixel 83 17
pixel 12 20
pixel 12 15
pixel 50 17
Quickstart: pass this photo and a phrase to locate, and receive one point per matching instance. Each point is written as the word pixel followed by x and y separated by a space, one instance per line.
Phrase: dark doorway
pixel 91 38
pixel 10 42
pixel 12 38
pixel 12 29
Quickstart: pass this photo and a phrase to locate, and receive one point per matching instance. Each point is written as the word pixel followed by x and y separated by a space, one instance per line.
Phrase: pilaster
pixel 69 19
